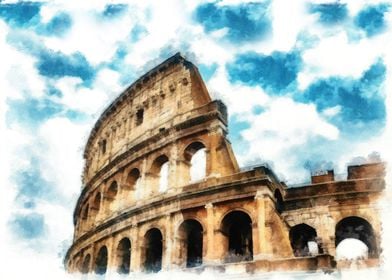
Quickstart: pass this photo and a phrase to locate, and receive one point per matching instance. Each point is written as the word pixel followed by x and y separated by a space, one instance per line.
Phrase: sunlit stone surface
pixel 162 191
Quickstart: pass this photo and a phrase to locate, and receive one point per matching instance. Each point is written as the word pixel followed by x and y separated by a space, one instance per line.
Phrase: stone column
pixel 210 255
pixel 167 243
pixel 137 247
pixel 261 246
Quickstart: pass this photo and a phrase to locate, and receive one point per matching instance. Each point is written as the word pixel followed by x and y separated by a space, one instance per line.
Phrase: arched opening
pixel 112 191
pixel 160 172
pixel 190 235
pixel 85 264
pixel 85 212
pixel 356 228
pixel 101 262
pixel 153 250
pixel 195 154
pixel 97 202
pixel 124 256
pixel 237 228
pixel 133 179
pixel 303 239
pixel 278 201
pixel 110 196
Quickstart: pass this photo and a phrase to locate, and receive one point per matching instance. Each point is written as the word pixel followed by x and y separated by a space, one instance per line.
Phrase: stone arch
pixel 85 212
pixel 190 238
pixel 357 228
pixel 159 172
pixel 112 191
pixel 132 179
pixel 196 159
pixel 110 196
pixel 101 261
pixel 131 190
pixel 278 201
pixel 153 250
pixel 123 256
pixel 83 222
pixel 236 227
pixel 85 267
pixel 96 205
pixel 303 240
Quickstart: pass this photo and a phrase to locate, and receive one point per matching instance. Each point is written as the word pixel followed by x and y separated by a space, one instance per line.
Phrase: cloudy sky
pixel 307 85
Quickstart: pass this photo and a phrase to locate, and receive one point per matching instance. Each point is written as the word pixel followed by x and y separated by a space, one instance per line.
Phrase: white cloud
pixel 20 77
pixel 239 99
pixel 89 100
pixel 274 135
pixel 61 159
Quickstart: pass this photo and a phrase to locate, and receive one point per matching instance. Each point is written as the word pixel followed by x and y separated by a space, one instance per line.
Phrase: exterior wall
pixel 119 202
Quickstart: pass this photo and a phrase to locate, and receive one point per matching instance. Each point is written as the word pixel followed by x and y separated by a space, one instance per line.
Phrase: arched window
pixel 133 179
pixel 124 256
pixel 85 212
pixel 160 171
pixel 97 202
pixel 85 264
pixel 278 201
pixel 237 228
pixel 101 262
pixel 153 250
pixel 195 154
pixel 112 191
pixel 303 239
pixel 355 228
pixel 191 243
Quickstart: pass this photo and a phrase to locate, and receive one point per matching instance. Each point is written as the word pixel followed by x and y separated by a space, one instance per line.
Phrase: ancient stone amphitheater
pixel 162 190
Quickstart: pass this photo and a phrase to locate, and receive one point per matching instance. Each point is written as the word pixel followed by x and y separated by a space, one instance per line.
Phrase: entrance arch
pixel 101 262
pixel 303 240
pixel 190 236
pixel 358 228
pixel 153 250
pixel 237 228
pixel 124 256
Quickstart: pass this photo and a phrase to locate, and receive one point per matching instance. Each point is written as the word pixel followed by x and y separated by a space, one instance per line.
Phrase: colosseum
pixel 148 205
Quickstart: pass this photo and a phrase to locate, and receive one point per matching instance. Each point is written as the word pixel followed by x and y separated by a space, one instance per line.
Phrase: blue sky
pixel 307 85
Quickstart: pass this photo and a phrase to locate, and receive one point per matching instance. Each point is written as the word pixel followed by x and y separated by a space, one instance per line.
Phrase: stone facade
pixel 143 209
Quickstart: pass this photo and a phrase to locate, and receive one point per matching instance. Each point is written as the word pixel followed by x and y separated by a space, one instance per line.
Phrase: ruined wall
pixel 140 209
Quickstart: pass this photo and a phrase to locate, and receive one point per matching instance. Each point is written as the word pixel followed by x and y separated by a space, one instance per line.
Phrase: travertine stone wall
pixel 122 195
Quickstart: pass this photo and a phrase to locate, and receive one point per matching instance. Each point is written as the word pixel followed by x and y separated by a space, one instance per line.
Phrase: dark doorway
pixel 237 227
pixel 101 262
pixel 300 236
pixel 153 243
pixel 124 256
pixel 85 265
pixel 191 236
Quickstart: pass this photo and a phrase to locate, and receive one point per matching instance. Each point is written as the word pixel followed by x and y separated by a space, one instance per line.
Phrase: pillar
pixel 261 246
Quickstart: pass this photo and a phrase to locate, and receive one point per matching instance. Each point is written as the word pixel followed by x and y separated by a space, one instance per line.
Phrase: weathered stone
pixel 131 216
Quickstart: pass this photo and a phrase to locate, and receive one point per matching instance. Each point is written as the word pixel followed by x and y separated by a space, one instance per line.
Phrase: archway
pixel 153 250
pixel 190 234
pixel 133 178
pixel 195 155
pixel 101 262
pixel 303 239
pixel 84 269
pixel 357 228
pixel 160 173
pixel 237 228
pixel 124 256
pixel 96 205
pixel 110 196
